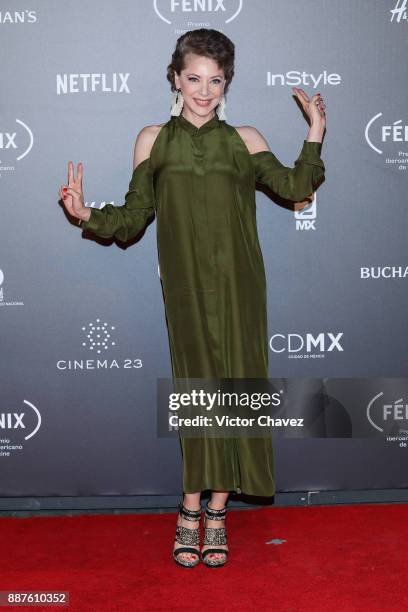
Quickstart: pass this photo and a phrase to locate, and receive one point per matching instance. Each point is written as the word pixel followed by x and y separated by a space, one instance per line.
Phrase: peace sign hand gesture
pixel 72 195
pixel 314 108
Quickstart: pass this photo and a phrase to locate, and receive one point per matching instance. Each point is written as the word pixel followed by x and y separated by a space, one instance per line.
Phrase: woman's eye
pixel 216 81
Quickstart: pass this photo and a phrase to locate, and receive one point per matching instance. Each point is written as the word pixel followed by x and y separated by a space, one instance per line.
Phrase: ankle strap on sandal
pixel 189 515
pixel 215 515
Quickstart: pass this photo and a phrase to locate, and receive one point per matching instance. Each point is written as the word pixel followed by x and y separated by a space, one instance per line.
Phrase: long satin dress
pixel 200 183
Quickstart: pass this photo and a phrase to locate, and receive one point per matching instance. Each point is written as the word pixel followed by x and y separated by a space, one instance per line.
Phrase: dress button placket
pixel 206 256
pixel 199 178
pixel 197 146
pixel 205 239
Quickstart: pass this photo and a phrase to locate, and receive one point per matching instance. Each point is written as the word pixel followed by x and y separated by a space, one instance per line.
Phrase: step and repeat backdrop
pixel 83 332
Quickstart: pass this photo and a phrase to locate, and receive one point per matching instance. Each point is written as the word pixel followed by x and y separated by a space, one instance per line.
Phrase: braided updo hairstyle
pixel 205 42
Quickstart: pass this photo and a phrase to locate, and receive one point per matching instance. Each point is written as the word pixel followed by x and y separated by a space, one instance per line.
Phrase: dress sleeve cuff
pixel 94 221
pixel 311 152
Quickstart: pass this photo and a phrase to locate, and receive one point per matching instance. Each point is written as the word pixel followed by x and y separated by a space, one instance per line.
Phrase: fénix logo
pixel 395 132
pixel 306 218
pixel 306 346
pixel 117 82
pixel 29 421
pixel 385 416
pixel 17 426
pixel 384 272
pixel 378 133
pixel 400 11
pixel 17 17
pixel 295 77
pixel 167 10
pixel 16 143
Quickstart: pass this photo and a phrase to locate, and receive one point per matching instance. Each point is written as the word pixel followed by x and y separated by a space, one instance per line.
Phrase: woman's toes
pixel 188 557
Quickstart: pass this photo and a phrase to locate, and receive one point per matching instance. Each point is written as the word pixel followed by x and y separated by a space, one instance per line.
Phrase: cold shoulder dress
pixel 200 184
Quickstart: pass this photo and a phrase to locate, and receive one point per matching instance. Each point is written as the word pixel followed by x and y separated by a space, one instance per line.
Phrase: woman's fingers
pixel 310 106
pixel 67 200
pixel 72 180
pixel 63 194
pixel 79 173
pixel 73 199
pixel 77 195
pixel 320 104
pixel 301 95
pixel 317 98
pixel 304 98
pixel 70 173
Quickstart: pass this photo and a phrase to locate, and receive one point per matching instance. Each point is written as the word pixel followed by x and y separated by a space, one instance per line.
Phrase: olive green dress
pixel 200 184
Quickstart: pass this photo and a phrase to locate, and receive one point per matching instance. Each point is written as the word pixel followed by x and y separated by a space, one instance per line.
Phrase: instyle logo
pixel 295 77
pixel 17 426
pixel 306 218
pixel 170 11
pixel 99 338
pixel 384 272
pixel 400 12
pixel 378 134
pixel 306 346
pixel 17 17
pixel 386 416
pixel 117 82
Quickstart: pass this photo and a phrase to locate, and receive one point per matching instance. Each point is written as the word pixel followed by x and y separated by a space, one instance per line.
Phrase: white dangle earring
pixel 220 110
pixel 177 102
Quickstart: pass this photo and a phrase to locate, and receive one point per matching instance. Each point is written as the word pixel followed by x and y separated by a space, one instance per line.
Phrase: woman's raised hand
pixel 314 107
pixel 72 195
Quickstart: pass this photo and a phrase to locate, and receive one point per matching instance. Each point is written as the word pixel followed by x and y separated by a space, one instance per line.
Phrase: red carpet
pixel 340 558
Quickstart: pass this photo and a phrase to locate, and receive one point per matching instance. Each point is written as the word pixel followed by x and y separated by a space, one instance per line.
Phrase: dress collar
pixel 212 123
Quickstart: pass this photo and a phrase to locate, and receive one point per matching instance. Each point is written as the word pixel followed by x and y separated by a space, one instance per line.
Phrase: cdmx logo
pixel 394 133
pixel 306 218
pixel 380 414
pixel 16 421
pixel 400 11
pixel 19 142
pixel 167 10
pixel 308 342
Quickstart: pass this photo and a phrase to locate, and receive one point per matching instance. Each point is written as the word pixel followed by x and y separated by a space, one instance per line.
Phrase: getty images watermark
pixel 219 408
pixel 291 408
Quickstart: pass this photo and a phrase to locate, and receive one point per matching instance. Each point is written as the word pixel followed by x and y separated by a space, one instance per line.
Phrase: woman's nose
pixel 204 89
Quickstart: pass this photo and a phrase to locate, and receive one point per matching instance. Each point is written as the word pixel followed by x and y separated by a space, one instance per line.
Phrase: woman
pixel 197 173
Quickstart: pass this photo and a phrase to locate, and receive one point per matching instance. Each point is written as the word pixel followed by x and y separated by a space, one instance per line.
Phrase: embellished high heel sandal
pixel 214 535
pixel 188 537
